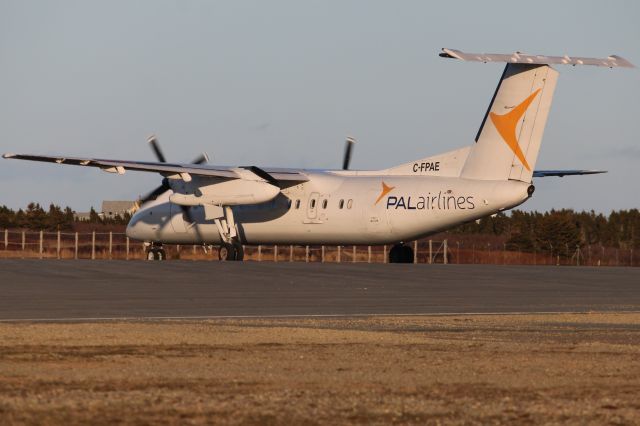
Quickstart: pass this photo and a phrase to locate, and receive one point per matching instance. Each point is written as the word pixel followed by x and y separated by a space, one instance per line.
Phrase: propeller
pixel 348 148
pixel 164 186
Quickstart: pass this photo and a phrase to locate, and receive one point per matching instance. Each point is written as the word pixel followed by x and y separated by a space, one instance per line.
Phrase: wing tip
pixel 8 155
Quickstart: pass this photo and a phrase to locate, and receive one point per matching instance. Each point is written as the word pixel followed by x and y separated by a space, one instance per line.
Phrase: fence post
pixel 354 255
pixel 322 254
pixel 41 248
pixel 384 253
pixel 259 253
pixel 127 249
pixel 110 243
pixel 58 245
pixel 291 253
pixel 23 240
pixel 446 248
pixel 369 254
pixel 275 253
pixel 6 239
pixel 339 254
pixel 306 254
pixel 93 245
pixel 415 251
pixel 430 251
pixel 75 255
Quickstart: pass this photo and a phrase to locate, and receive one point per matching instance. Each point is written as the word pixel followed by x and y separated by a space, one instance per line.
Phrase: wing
pixel 166 169
pixel 562 173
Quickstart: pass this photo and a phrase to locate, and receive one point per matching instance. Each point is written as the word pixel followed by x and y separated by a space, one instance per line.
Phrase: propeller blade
pixel 201 159
pixel 164 187
pixel 153 141
pixel 262 174
pixel 347 153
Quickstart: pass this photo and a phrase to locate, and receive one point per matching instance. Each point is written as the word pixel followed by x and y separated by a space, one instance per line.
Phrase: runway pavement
pixel 61 290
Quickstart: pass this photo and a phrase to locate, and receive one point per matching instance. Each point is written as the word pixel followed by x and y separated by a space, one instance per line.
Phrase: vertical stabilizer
pixel 509 138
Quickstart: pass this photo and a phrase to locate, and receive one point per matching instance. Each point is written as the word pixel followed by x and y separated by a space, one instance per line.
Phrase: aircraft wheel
pixel 407 254
pixel 231 252
pixel 395 254
pixel 156 254
pixel 401 253
pixel 239 251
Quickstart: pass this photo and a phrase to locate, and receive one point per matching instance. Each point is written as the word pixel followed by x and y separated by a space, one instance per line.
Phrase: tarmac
pixel 53 290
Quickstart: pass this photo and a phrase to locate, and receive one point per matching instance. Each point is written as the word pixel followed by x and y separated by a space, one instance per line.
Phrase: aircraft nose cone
pixel 134 230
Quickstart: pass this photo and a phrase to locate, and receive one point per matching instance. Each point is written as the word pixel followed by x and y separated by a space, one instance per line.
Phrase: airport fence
pixel 116 245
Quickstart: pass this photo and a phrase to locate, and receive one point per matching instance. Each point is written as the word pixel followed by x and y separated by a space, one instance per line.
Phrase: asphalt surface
pixel 60 290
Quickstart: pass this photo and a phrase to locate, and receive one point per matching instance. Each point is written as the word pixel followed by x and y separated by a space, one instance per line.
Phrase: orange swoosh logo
pixel 506 125
pixel 385 190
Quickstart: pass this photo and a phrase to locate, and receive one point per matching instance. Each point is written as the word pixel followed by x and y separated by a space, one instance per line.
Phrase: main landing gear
pixel 156 252
pixel 401 253
pixel 231 248
pixel 231 251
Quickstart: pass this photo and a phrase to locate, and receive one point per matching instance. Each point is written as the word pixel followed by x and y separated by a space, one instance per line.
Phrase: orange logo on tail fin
pixel 385 190
pixel 507 123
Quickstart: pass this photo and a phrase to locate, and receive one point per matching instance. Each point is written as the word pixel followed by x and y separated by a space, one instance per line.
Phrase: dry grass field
pixel 493 369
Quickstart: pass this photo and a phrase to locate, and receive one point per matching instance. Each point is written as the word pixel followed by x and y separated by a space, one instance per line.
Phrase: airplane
pixel 205 204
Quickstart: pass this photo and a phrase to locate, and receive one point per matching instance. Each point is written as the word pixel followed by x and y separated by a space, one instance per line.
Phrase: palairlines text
pixel 431 202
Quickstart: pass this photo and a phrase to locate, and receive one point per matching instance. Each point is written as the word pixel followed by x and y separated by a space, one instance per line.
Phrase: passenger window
pixel 313 203
pixel 297 204
pixel 341 204
pixel 324 204
pixel 289 204
pixel 349 204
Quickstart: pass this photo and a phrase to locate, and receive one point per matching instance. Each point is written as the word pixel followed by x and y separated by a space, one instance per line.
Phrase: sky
pixel 283 83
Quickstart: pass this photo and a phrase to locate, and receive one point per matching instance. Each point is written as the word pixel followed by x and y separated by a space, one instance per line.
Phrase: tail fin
pixel 509 138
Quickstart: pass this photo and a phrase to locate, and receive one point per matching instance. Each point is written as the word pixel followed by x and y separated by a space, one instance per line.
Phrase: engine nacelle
pixel 228 193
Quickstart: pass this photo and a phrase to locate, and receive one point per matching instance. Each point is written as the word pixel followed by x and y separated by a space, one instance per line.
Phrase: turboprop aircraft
pixel 230 206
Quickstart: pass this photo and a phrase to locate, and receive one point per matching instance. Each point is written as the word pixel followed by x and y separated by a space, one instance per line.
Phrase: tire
pixel 238 251
pixel 226 252
pixel 407 254
pixel 401 253
pixel 395 254
pixel 161 255
pixel 151 255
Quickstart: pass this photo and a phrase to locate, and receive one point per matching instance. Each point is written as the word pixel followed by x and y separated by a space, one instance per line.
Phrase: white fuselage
pixel 339 208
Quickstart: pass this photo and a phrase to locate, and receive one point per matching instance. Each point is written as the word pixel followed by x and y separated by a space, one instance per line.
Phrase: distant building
pixel 111 209
pixel 82 217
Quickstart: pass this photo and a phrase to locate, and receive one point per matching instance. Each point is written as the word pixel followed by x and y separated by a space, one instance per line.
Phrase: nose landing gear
pixel 156 252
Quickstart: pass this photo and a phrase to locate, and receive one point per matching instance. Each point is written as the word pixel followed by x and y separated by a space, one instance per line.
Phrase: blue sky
pixel 282 83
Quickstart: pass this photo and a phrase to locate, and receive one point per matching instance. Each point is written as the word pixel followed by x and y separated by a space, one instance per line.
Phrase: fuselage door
pixel 375 215
pixel 312 205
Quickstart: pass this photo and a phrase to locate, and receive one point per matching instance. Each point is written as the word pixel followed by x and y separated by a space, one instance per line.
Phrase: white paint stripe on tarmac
pixel 302 316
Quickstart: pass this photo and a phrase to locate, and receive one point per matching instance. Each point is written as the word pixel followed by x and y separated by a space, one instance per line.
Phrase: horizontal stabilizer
pixel 612 61
pixel 562 173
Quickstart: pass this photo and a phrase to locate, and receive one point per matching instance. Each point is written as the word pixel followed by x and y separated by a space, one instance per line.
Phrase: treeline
pixel 560 231
pixel 557 231
pixel 54 219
